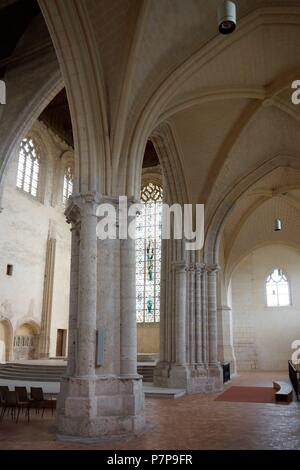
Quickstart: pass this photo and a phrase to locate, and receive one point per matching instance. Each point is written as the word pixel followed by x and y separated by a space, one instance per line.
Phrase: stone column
pixel 73 217
pixel 214 368
pixel 174 372
pixel 87 291
pixel 103 398
pixel 212 313
pixel 180 312
pixel 198 320
pixel 128 333
pixel 130 382
pixel 77 403
pixel 191 315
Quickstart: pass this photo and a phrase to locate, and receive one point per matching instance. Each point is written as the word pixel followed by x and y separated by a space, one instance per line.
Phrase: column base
pixel 99 407
pixel 194 378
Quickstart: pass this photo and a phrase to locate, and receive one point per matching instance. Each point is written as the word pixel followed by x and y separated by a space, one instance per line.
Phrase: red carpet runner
pixel 248 395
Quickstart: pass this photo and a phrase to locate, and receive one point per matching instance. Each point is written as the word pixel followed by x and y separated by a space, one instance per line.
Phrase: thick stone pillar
pixel 87 292
pixel 128 334
pixel 101 395
pixel 172 371
pixel 191 325
pixel 73 217
pixel 180 312
pixel 212 313
pixel 198 322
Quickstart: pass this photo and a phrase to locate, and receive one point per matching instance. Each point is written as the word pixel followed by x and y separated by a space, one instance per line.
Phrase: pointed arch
pixel 75 45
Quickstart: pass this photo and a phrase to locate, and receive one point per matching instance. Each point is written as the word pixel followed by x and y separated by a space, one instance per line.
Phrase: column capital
pixel 88 197
pixel 72 214
pixel 212 269
pixel 78 201
pixel 200 267
pixel 191 267
pixel 180 266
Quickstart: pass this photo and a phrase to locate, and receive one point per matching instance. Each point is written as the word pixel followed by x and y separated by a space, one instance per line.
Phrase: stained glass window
pixel 148 254
pixel 277 289
pixel 68 184
pixel 28 167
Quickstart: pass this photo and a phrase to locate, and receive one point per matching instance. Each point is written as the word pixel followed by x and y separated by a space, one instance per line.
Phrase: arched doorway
pixel 25 342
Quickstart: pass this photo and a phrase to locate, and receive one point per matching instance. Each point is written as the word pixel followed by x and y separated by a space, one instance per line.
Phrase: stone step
pixel 159 392
pixel 17 370
pixel 148 357
pixel 146 370
pixel 33 372
pixel 16 366
pixel 49 373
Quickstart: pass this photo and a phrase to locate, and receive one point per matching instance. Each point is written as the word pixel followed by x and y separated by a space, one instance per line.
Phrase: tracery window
pixel 148 254
pixel 28 167
pixel 68 184
pixel 277 289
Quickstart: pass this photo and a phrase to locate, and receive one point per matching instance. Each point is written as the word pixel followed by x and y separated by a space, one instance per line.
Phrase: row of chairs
pixel 17 401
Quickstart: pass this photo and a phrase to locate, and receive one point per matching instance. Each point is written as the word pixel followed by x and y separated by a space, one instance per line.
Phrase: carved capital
pixel 89 197
pixel 180 266
pixel 191 268
pixel 73 215
pixel 79 202
pixel 212 269
pixel 200 268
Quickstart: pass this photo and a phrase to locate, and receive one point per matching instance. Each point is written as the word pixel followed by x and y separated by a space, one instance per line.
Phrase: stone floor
pixel 190 422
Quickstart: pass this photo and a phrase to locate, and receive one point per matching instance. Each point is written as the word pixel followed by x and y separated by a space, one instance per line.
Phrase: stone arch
pixel 24 120
pixel 152 175
pixel 6 334
pixel 229 272
pixel 85 90
pixel 156 109
pixel 26 339
pixel 163 139
pixel 41 142
pixel 217 220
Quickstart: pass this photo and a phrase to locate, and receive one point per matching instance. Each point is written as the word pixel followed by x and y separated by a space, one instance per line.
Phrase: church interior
pixel 143 343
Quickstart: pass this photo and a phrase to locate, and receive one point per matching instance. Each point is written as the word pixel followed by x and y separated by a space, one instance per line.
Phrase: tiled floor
pixel 190 422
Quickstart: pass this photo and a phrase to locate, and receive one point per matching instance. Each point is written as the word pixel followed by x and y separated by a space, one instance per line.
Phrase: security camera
pixel 227 17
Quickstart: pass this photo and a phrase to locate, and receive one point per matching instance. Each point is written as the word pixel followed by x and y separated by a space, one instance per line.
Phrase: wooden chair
pixel 22 393
pixel 3 390
pixel 14 405
pixel 38 400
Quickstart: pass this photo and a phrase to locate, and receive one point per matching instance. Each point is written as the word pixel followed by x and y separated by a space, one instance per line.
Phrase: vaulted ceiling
pixel 227 100
pixel 251 223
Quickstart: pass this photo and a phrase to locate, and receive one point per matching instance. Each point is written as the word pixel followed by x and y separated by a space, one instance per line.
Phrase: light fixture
pixel 277 225
pixel 227 17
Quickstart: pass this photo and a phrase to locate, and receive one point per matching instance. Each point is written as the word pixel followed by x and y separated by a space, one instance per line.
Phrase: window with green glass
pixel 148 254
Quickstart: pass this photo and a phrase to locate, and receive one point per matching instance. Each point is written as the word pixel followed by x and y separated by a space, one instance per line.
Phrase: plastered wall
pixel 262 335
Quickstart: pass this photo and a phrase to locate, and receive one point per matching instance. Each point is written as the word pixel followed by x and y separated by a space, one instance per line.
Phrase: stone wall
pixel 26 225
pixel 148 338
pixel 263 335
